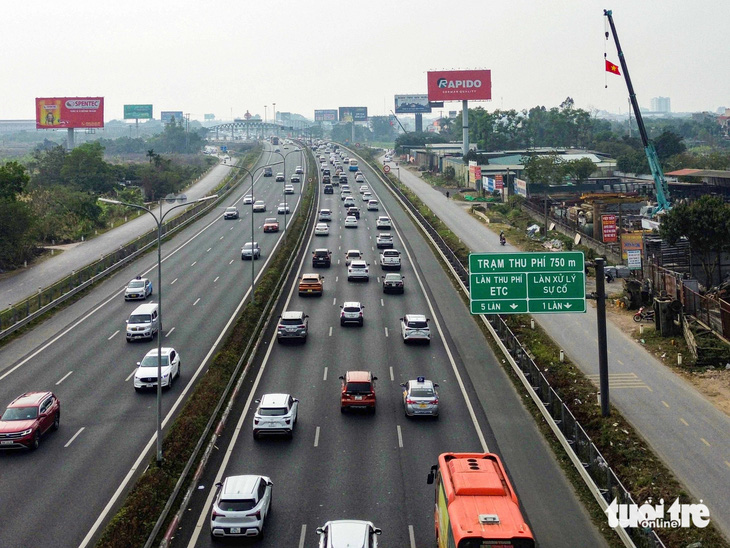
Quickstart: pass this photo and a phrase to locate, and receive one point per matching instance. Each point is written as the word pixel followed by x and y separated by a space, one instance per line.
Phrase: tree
pixel 13 180
pixel 668 144
pixel 580 169
pixel 85 168
pixel 706 225
pixel 47 164
pixel 16 221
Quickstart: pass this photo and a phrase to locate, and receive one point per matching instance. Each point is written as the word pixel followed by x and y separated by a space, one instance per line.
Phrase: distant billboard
pixel 207 117
pixel 412 104
pixel 137 112
pixel 459 85
pixel 167 116
pixel 353 114
pixel 69 112
pixel 329 115
pixel 521 187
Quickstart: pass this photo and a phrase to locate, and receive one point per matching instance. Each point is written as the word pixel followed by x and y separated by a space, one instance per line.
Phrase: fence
pixel 596 472
pixel 22 313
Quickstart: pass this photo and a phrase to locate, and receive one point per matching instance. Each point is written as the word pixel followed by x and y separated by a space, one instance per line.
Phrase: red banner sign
pixel 458 85
pixel 498 182
pixel 69 112
pixel 610 234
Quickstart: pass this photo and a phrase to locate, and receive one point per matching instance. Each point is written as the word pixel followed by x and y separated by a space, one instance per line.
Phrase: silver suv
pixel 250 250
pixel 358 270
pixel 276 414
pixel 241 506
pixel 414 327
pixel 293 324
pixel 352 533
pixel 352 312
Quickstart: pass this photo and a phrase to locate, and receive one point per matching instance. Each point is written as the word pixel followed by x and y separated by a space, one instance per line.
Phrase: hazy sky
pixel 229 57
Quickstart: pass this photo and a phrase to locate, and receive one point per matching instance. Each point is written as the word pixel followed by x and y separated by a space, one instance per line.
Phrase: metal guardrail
pixel 592 467
pixel 27 310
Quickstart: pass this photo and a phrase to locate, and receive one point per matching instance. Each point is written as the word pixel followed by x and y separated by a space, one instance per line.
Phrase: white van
pixel 144 322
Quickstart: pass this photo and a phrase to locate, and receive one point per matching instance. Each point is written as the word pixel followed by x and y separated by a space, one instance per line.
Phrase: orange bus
pixel 475 504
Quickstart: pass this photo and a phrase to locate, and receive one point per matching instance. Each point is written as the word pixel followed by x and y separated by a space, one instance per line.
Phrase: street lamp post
pixel 283 157
pixel 169 199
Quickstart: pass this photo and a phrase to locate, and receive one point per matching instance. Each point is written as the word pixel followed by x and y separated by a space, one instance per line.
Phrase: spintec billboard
pixel 412 104
pixel 353 114
pixel 69 112
pixel 137 112
pixel 327 115
pixel 166 116
pixel 460 85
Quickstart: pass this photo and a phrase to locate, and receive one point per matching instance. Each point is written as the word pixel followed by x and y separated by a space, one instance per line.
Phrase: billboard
pixel 412 104
pixel 460 85
pixel 610 233
pixel 521 187
pixel 166 116
pixel 137 112
pixel 208 117
pixel 329 115
pixel 69 112
pixel 353 114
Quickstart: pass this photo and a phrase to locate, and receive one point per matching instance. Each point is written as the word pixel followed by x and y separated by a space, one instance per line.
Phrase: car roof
pixel 274 400
pixel 415 317
pixel 352 303
pixel 231 207
pixel 393 275
pixel 358 264
pixel 353 251
pixel 138 280
pixel 29 398
pixel 358 376
pixel 425 383
pixel 165 351
pixel 240 486
pixel 311 275
pixel 322 250
pixel 292 315
pixel 146 308
pixel 344 533
pixel 271 220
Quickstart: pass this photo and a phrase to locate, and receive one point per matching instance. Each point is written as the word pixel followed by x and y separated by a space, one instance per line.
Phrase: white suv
pixel 358 270
pixel 276 414
pixel 348 532
pixel 352 312
pixel 241 506
pixel 414 327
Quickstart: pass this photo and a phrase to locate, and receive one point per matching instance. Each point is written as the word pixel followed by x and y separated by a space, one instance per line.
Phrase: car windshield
pixel 151 361
pixel 140 318
pixel 417 324
pixel 236 505
pixel 358 387
pixel 20 413
pixel 272 411
pixel 392 277
pixel 136 283
pixel 422 392
pixel 294 321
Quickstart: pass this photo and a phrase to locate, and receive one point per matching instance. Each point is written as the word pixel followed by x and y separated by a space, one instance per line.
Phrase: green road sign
pixel 515 283
pixel 137 112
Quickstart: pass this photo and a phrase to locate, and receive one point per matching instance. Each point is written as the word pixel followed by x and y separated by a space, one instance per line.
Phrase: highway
pixel 68 486
pixel 374 467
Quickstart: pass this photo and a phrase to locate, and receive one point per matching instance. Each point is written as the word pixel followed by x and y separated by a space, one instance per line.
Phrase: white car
pixel 283 208
pixel 414 327
pixel 348 532
pixel 364 188
pixel 390 259
pixel 349 201
pixel 383 223
pixel 298 170
pixel 241 506
pixel 367 196
pixel 321 229
pixel 288 189
pixel 373 205
pixel 384 240
pixel 276 414
pixel 248 199
pixel 352 312
pixel 146 374
pixel 359 177
pixel 325 215
pixel 350 221
pixel 352 255
pixel 280 177
pixel 259 205
pixel 139 288
pixel 358 270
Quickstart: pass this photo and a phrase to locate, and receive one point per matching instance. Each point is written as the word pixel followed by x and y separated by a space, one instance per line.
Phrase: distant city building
pixel 661 104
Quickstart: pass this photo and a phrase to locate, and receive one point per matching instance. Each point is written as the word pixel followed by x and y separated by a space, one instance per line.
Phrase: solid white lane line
pixel 130 375
pixel 113 334
pixel 194 263
pixel 196 301
pixel 64 378
pixel 330 330
pixel 382 303
pixel 386 331
pixel 303 536
pixel 325 374
pixel 316 437
pixel 392 377
pixel 216 279
pixel 173 281
pixel 400 437
pixel 169 332
pixel 74 436
pixel 412 536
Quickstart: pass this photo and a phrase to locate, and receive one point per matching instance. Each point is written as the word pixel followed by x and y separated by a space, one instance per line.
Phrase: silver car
pixel 293 324
pixel 241 506
pixel 276 414
pixel 358 270
pixel 350 533
pixel 250 250
pixel 420 397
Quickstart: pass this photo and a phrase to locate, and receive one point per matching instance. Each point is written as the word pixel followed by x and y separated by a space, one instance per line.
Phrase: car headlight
pixel 26 432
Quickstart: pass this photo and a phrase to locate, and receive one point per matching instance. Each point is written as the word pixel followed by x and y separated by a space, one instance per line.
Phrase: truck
pixel 390 259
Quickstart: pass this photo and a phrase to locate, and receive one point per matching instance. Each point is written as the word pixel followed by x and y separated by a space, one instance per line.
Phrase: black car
pixel 328 189
pixel 322 257
pixel 354 211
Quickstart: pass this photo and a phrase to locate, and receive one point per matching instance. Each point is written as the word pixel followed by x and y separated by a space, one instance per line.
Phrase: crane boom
pixel 660 183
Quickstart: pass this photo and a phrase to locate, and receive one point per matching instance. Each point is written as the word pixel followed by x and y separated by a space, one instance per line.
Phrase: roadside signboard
pixel 325 115
pixel 608 223
pixel 459 85
pixel 498 182
pixel 69 112
pixel 519 283
pixel 167 116
pixel 208 117
pixel 634 259
pixel 386 168
pixel 137 112
pixel 353 114
pixel 412 104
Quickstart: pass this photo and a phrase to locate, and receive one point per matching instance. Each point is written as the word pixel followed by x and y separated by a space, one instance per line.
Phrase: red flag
pixel 613 69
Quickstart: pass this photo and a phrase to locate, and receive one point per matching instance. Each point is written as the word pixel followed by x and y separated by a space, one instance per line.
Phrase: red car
pixel 358 391
pixel 271 225
pixel 27 418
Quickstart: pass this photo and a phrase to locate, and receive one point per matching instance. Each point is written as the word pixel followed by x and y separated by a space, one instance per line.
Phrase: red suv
pixel 358 391
pixel 27 418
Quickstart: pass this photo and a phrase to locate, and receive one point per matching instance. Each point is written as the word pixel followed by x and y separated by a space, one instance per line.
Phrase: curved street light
pixel 283 158
pixel 169 199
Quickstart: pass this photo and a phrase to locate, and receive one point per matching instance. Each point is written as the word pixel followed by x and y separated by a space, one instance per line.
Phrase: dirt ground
pixel 714 384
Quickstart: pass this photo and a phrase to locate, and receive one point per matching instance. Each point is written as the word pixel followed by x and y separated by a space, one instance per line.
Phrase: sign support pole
pixel 70 139
pixel 602 344
pixel 465 126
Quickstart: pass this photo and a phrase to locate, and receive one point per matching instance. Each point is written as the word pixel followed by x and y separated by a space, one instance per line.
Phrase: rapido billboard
pixel 460 85
pixel 69 112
